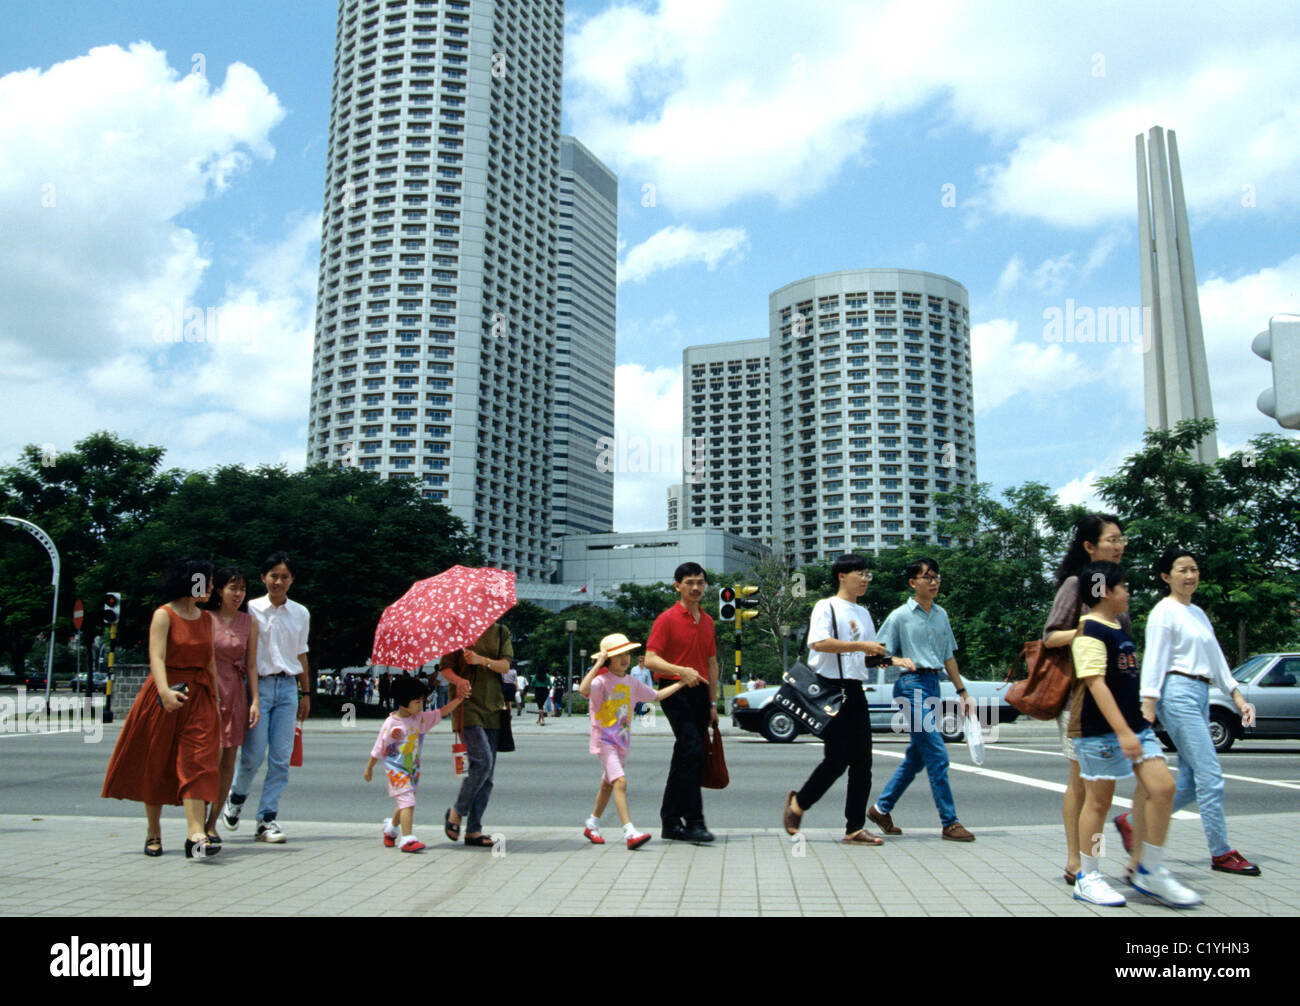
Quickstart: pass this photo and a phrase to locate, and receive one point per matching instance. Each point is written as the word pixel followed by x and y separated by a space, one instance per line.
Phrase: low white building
pixel 594 563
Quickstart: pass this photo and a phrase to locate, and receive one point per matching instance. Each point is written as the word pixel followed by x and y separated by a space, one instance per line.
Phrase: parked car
pixel 36 682
pixel 753 711
pixel 1271 683
pixel 79 682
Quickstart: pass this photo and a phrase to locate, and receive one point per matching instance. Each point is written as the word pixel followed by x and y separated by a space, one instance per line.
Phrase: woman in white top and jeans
pixel 1180 661
pixel 838 651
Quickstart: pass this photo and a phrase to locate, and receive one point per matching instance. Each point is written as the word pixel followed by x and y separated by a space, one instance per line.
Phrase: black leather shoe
pixel 696 833
pixel 674 832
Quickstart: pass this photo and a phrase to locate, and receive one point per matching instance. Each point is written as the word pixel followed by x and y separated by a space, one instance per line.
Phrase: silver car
pixel 1271 683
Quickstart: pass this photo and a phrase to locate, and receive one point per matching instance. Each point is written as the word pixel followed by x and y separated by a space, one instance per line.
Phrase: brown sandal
pixel 790 819
pixel 863 837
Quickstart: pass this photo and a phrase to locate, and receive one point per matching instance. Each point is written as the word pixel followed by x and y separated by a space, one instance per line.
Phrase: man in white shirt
pixel 284 687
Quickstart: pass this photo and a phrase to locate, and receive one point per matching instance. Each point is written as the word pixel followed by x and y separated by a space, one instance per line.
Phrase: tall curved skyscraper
pixel 436 306
pixel 872 408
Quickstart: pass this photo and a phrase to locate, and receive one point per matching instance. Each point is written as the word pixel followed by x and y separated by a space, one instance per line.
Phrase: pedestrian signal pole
pixel 744 612
pixel 112 613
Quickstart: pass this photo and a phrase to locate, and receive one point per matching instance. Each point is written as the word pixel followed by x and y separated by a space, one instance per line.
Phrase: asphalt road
pixel 552 780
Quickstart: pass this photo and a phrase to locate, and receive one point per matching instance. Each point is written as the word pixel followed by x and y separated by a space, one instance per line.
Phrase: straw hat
pixel 614 644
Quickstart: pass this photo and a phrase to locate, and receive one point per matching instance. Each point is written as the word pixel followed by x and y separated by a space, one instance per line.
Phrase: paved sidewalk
pixel 67 866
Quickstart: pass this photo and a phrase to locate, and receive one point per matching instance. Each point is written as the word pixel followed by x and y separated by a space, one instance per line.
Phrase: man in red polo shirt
pixel 681 645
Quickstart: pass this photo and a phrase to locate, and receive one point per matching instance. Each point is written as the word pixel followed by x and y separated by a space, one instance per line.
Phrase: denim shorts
pixel 1101 758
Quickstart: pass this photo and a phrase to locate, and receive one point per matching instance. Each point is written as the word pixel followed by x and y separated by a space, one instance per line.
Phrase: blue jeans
pixel 271 738
pixel 1184 711
pixel 481 747
pixel 925 747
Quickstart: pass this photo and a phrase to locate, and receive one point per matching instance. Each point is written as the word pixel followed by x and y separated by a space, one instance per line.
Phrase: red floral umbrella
pixel 442 614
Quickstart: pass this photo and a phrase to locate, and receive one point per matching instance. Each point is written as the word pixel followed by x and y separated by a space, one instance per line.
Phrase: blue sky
pixel 155 156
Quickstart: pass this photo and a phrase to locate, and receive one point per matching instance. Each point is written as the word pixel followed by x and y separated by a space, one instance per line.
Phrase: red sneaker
pixel 412 846
pixel 636 841
pixel 1233 861
pixel 1125 831
pixel 389 840
pixel 593 836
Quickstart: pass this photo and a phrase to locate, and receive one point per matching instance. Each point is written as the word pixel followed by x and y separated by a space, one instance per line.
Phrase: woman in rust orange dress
pixel 169 748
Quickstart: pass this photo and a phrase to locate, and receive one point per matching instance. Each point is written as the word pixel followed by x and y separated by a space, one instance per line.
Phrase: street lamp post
pixel 582 662
pixel 785 638
pixel 44 539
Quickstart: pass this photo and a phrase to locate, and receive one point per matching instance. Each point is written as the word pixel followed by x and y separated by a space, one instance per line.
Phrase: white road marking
pixel 1280 783
pixel 38 733
pixel 1026 780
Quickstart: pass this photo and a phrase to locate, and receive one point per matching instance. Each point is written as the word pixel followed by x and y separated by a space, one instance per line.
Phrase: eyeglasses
pixel 1116 540
pixel 930 577
pixel 862 573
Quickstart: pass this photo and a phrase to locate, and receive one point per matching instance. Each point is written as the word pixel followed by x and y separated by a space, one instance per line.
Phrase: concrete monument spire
pixel 1176 374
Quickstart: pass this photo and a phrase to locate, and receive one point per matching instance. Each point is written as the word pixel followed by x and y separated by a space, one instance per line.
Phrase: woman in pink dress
pixel 234 642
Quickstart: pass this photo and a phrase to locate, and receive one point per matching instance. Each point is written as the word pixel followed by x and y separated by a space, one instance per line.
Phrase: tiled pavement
pixel 70 866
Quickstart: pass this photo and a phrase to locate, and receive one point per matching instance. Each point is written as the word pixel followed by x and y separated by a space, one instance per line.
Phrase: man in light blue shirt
pixel 919 630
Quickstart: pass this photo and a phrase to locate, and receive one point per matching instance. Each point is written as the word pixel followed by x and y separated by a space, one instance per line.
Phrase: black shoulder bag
pixel 805 695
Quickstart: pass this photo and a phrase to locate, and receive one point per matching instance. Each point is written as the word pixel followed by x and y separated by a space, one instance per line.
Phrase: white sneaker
pixel 230 814
pixel 269 831
pixel 1164 887
pixel 1094 889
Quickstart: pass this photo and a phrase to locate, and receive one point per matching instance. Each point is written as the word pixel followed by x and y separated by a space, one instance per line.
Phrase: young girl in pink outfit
pixel 612 694
pixel 399 743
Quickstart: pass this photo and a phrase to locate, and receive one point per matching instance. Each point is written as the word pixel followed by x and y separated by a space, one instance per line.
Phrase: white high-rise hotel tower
pixel 436 309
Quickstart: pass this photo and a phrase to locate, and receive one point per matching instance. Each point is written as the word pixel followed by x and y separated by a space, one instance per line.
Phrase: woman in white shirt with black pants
pixel 1181 660
pixel 841 636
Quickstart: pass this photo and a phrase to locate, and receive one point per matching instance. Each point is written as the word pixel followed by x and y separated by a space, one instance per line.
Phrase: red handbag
pixel 715 765
pixel 295 759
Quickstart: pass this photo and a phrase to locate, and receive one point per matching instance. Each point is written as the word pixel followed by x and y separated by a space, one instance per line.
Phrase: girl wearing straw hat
pixel 612 694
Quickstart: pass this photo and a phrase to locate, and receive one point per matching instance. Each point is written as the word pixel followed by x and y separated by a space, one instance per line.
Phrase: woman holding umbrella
pixel 482 666
pixel 454 613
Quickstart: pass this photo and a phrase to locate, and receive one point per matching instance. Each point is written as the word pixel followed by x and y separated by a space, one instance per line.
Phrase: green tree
pixel 998 579
pixel 82 498
pixel 358 543
pixel 1238 516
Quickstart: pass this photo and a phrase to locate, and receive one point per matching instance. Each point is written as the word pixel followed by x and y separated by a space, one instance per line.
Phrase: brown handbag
pixel 1044 692
pixel 715 765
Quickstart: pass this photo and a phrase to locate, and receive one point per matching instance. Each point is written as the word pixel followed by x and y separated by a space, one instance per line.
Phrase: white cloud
pixel 713 103
pixel 647 417
pixel 1005 368
pixel 1052 274
pixel 100 155
pixel 1083 491
pixel 1233 311
pixel 679 245
pixel 1012 274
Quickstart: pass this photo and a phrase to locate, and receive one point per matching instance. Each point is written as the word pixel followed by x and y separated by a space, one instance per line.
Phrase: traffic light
pixel 112 608
pixel 745 601
pixel 727 604
pixel 1281 346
